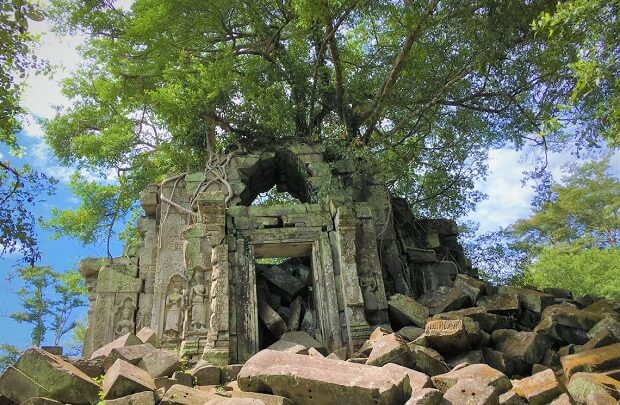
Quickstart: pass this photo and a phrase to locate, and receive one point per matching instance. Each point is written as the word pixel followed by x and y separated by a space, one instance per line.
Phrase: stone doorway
pixel 284 291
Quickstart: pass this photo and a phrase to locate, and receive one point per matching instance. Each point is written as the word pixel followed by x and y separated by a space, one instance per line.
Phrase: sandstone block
pixel 159 363
pixel 410 332
pixel 147 335
pixel 566 399
pixel 582 385
pixel 572 317
pixel 389 349
pixel 601 359
pixel 602 338
pixel 404 310
pixel 284 346
pixel 92 368
pixel 206 374
pixel 303 339
pixel 271 318
pixel 444 299
pixel 417 380
pixel 141 398
pixel 282 281
pixel 529 347
pixel 610 323
pixel 131 354
pixel 125 340
pixel 470 392
pixel 472 287
pixel 230 372
pixel 486 320
pixel 183 378
pixel 510 398
pixel 41 401
pixel 532 300
pixel 182 395
pixel 470 357
pixel 427 360
pixel 481 374
pixel 425 396
pixel 503 304
pixel 265 398
pixel 38 373
pixel 307 380
pixel 124 379
pixel 452 336
pixel 539 389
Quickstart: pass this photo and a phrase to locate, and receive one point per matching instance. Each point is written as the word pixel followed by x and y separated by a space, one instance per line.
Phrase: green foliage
pixel 592 271
pixel 417 91
pixel 8 355
pixel 47 300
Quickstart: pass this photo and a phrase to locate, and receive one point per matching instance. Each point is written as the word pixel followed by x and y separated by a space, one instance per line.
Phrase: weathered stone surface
pixel 532 300
pixel 480 373
pixel 230 372
pixel 264 398
pixel 92 368
pixel 452 336
pixel 529 347
pixel 147 335
pixel 131 354
pixel 294 315
pixel 425 396
pixel 405 311
pixel 304 380
pixel 601 359
pixel 566 399
pixel 427 360
pixel 282 281
pixel 470 357
pixel 141 398
pixel 206 374
pixel 239 401
pixel 271 318
pixel 471 392
pixel 410 333
pixel 285 346
pixel 504 304
pixel 610 323
pixel 602 338
pixel 312 352
pixel 582 385
pixel 41 401
pixel 38 373
pixel 417 380
pixel 124 379
pixel 126 340
pixel 572 317
pixel 160 363
pixel 183 378
pixel 602 306
pixel 182 395
pixel 389 349
pixel 472 287
pixel 444 299
pixel 494 359
pixel 486 320
pixel 540 388
pixel 303 339
pixel 510 398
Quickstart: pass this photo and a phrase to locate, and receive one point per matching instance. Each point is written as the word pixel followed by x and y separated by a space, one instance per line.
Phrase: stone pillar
pixel 147 227
pixel 89 269
pixel 358 329
pixel 212 212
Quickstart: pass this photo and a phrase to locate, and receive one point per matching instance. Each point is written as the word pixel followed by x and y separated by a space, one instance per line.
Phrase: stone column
pixel 212 212
pixel 358 328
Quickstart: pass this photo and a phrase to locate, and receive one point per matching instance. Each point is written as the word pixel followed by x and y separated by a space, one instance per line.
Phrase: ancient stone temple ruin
pixel 205 277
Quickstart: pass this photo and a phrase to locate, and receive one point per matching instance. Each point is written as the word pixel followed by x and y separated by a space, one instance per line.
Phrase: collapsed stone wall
pixel 193 277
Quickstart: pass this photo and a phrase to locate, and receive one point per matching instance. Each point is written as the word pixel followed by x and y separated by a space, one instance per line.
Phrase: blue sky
pixel 508 199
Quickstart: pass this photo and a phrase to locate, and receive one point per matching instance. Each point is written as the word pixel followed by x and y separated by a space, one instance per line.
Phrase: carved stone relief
pixel 125 318
pixel 174 307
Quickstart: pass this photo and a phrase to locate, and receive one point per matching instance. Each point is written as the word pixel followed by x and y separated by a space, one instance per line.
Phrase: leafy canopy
pixel 418 89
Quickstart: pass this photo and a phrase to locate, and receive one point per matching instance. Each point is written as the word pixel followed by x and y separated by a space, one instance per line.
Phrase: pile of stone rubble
pixel 466 344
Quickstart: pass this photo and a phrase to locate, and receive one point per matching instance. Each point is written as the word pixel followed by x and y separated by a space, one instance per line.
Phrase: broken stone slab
pixel 38 373
pixel 306 380
pixel 572 317
pixel 141 398
pixel 427 360
pixel 470 357
pixel 486 320
pixel 494 359
pixel 444 299
pixel 502 304
pixel 532 300
pixel 271 318
pixel 294 315
pixel 510 398
pixel 425 396
pixel 147 335
pixel 340 354
pixel 601 359
pixel 389 349
pixel 471 392
pixel 528 347
pixel 92 368
pixel 124 379
pixel 160 363
pixel 131 354
pixel 558 293
pixel 312 352
pixel 126 340
pixel 560 333
pixel 602 338
pixel 539 389
pixel 410 333
pixel 285 346
pixel 417 380
pixel 566 399
pixel 182 395
pixel 610 323
pixel 582 385
pixel 230 372
pixel 452 336
pixel 421 256
pixel 481 374
pixel 602 306
pixel 282 281
pixel 405 311
pixel 472 287
pixel 304 339
pixel 183 378
pixel 267 399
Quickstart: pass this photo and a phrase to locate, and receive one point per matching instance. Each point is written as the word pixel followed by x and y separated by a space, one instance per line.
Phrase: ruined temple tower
pixel 197 281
